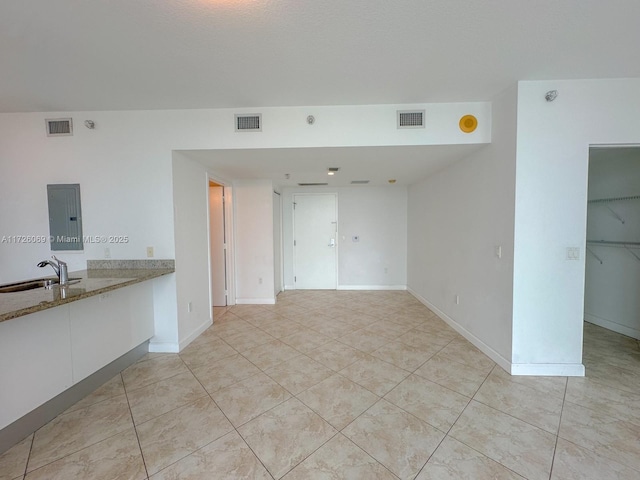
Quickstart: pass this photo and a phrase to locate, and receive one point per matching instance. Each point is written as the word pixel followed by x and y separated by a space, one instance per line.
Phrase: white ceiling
pixel 76 55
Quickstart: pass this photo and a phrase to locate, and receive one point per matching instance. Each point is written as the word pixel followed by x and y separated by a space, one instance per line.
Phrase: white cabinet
pixel 35 361
pixel 108 325
pixel 45 353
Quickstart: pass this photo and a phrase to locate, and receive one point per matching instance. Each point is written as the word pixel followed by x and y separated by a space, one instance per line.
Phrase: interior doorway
pixel 218 245
pixel 612 264
pixel 315 246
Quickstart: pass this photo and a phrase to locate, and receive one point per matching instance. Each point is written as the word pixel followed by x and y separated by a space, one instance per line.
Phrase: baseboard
pixel 545 369
pixel 616 327
pixel 32 421
pixel 164 347
pixel 548 369
pixel 255 301
pixel 184 343
pixel 371 287
pixel 289 287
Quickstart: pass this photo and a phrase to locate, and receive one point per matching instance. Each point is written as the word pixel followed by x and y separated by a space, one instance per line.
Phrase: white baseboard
pixel 371 287
pixel 163 347
pixel 616 327
pixel 255 301
pixel 572 370
pixel 289 287
pixel 185 342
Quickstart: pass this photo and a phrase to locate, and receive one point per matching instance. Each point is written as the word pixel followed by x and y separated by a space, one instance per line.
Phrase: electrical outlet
pixel 573 253
pixel 149 252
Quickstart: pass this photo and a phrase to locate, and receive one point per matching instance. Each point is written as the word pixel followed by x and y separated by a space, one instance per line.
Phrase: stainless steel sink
pixel 32 284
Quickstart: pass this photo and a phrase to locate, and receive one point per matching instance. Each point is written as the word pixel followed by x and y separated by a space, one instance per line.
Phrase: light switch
pixel 573 253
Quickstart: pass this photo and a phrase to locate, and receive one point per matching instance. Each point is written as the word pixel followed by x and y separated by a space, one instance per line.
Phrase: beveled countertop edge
pixel 149 274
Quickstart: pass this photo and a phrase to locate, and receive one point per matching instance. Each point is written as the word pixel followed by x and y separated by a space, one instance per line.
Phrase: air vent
pixel 312 184
pixel 249 123
pixel 359 182
pixel 333 169
pixel 59 127
pixel 410 118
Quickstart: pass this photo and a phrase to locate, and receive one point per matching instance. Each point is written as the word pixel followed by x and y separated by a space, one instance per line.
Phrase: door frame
pixel 228 223
pixel 293 223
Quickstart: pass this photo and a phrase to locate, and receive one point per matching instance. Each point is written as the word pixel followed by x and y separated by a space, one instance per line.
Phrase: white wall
pixel 550 211
pixel 456 219
pixel 191 199
pixel 611 287
pixel 125 171
pixel 378 215
pixel 253 216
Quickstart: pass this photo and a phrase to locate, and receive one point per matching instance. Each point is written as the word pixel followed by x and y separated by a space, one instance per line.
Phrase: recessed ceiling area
pixel 405 164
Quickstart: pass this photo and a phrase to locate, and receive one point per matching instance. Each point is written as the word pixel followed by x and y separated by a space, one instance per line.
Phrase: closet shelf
pixel 614 199
pixel 614 244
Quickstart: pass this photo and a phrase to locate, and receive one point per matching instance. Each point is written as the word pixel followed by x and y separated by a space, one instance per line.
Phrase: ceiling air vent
pixel 359 182
pixel 59 127
pixel 410 118
pixel 249 123
pixel 312 184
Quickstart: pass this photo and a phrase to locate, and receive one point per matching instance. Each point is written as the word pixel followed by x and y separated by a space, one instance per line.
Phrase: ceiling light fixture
pixel 551 95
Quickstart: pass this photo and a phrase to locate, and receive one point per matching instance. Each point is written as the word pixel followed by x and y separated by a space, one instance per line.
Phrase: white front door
pixel 315 241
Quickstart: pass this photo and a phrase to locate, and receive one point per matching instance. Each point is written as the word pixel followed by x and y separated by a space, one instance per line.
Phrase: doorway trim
pixel 229 237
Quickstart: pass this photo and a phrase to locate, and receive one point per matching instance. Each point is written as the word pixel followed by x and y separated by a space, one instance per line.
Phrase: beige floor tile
pixel 357 319
pixel 282 328
pixel 456 461
pixel 610 401
pixel 396 439
pixel 286 435
pixel 248 339
pixel 299 373
pixel 249 398
pixel 163 396
pixel 464 352
pixel 225 372
pixel 375 375
pixel 555 386
pixel 13 462
pixel 111 388
pixel 270 354
pixel 616 377
pixel 336 355
pixel 70 432
pixel 340 459
pixel 306 340
pixel 204 353
pixel 602 434
pixel 233 326
pixel 364 341
pixel 432 333
pixel 262 318
pixel 452 375
pixel 572 462
pixel 145 373
pixel 116 457
pixel 387 329
pixel 402 355
pixel 228 458
pixel 333 328
pixel 436 405
pixel 180 432
pixel 516 399
pixel 338 400
pixel 519 446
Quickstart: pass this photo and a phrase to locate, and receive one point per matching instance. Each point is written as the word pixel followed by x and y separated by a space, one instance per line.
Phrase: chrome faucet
pixel 59 267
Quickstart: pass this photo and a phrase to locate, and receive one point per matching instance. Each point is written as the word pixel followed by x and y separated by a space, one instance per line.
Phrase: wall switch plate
pixel 498 251
pixel 189 307
pixel 573 253
pixel 149 252
pixel 457 299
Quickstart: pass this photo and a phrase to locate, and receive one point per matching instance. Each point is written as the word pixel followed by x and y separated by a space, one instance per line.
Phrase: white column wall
pixel 550 211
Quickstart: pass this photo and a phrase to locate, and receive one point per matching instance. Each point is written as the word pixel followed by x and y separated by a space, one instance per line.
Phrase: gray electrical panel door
pixel 65 217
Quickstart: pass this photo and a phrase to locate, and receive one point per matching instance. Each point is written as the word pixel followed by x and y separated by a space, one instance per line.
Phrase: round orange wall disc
pixel 468 123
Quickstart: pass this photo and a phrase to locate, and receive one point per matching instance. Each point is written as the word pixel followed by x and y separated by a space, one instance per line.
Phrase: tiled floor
pixel 352 385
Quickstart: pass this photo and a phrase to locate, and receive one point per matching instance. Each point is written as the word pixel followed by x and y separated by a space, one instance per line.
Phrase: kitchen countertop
pixel 92 282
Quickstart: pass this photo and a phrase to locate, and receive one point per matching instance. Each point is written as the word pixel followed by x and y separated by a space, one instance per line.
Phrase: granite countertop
pixel 93 281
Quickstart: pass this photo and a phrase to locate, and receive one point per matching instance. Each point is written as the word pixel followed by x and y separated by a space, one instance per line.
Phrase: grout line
pixel 135 428
pixel 555 447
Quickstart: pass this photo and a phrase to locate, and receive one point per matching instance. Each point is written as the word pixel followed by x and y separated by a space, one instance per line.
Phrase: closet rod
pixel 612 243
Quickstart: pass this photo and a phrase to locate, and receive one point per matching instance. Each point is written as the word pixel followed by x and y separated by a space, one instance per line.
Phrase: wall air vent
pixel 410 118
pixel 59 127
pixel 249 123
pixel 359 182
pixel 312 184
